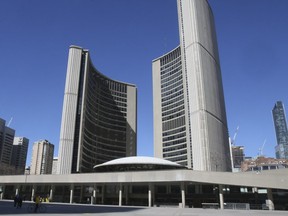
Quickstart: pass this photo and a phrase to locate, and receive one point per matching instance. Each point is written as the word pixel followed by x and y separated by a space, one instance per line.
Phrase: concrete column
pixel 33 194
pixel 2 192
pixel 198 189
pixel 94 195
pixel 270 201
pixel 127 187
pixel 183 194
pixel 51 193
pixel 103 193
pixel 71 194
pixel 120 195
pixel 150 195
pixel 221 198
pixel 17 191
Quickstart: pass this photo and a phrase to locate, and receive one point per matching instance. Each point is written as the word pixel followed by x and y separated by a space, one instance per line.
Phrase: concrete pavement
pixel 57 209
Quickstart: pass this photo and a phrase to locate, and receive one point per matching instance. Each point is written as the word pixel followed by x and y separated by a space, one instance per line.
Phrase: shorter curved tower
pixel 98 119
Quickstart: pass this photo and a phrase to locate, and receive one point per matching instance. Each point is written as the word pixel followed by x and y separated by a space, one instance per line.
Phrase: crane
pixel 231 144
pixel 260 153
pixel 8 125
pixel 234 137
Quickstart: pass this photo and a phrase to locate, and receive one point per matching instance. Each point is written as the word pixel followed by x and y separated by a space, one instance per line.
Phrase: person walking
pixel 37 202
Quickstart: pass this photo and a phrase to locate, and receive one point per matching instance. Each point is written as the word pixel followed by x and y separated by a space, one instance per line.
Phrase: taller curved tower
pixel 98 119
pixel 190 125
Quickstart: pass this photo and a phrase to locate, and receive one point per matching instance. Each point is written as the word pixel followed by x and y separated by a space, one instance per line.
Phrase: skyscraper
pixel 190 125
pixel 6 142
pixel 99 117
pixel 281 131
pixel 42 158
pixel 19 153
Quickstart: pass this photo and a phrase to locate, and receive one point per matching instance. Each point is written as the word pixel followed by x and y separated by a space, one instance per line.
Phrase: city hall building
pixel 190 125
pixel 99 117
pixel 152 182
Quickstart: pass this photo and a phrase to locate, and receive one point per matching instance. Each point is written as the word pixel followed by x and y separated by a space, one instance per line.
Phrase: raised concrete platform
pixel 7 208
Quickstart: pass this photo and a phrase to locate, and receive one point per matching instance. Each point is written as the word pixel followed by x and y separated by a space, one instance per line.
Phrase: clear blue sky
pixel 123 37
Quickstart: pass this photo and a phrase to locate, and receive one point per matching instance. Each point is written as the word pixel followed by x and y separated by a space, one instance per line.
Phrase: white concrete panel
pixel 69 111
pixel 157 109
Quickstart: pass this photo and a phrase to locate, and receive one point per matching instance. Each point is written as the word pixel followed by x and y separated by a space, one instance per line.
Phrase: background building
pixel 6 145
pixel 237 157
pixel 190 125
pixel 99 117
pixel 55 165
pixel 42 158
pixel 19 153
pixel 263 163
pixel 281 131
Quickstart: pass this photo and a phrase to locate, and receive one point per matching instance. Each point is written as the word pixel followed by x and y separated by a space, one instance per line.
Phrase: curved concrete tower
pixel 190 125
pixel 99 117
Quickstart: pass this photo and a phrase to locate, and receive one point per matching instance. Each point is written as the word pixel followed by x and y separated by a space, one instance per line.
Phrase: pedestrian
pixel 37 202
pixel 16 200
pixel 19 202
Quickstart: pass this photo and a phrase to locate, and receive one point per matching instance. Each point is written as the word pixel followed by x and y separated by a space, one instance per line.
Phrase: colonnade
pixel 150 195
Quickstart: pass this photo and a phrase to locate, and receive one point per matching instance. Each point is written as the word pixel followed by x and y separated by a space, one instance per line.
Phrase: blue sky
pixel 123 37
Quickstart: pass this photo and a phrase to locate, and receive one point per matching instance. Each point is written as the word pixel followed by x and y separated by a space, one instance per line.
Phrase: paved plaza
pixel 55 209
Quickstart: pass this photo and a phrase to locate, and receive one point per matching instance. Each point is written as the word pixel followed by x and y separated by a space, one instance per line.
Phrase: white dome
pixel 139 160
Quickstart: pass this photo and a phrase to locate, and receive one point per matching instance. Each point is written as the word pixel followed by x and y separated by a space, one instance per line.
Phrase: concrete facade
pixel 190 125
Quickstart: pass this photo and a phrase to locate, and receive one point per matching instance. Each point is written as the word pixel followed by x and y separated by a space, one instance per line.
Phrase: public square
pixel 7 208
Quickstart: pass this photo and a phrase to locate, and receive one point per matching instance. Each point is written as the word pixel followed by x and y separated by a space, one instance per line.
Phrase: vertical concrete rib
pixel 69 111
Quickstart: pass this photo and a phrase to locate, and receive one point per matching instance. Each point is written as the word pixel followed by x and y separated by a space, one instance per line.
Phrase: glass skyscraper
pixel 281 131
pixel 190 125
pixel 99 117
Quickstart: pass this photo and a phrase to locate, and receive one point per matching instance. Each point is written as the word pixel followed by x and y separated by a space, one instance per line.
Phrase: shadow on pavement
pixel 7 207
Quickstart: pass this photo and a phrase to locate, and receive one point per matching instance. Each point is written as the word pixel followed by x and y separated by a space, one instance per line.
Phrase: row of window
pixel 95 106
pixel 169 73
pixel 112 139
pixel 175 123
pixel 172 74
pixel 104 123
pixel 174 142
pixel 97 103
pixel 170 92
pixel 170 63
pixel 175 131
pixel 174 85
pixel 171 97
pixel 174 101
pixel 176 153
pixel 178 103
pixel 165 60
pixel 111 84
pixel 174 137
pixel 172 111
pixel 182 159
pixel 175 148
pixel 175 115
